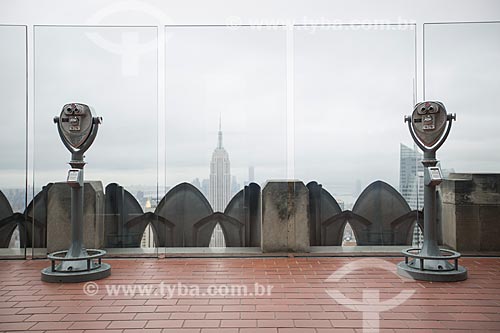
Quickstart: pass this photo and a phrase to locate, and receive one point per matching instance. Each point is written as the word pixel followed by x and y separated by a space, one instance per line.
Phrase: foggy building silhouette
pixel 251 174
pixel 220 176
pixel 410 186
pixel 410 167
pixel 220 185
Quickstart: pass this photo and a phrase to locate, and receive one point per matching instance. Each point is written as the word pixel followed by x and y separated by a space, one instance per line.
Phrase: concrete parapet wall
pixel 58 216
pixel 285 217
pixel 471 212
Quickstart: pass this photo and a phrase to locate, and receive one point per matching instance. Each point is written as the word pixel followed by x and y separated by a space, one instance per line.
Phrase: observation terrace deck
pixel 297 302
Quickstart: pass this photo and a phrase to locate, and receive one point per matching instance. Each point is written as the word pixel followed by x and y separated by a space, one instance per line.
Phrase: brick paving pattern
pixel 298 301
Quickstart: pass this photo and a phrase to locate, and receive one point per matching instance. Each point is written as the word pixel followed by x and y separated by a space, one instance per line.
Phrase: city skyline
pixel 332 133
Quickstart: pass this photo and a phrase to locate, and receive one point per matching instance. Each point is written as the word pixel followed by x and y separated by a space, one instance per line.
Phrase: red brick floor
pixel 298 301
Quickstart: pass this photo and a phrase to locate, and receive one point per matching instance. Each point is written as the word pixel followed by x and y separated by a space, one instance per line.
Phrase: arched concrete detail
pixel 120 207
pixel 403 227
pixel 236 211
pixel 37 212
pixel 7 227
pixel 329 206
pixel 380 216
pixel 333 228
pixel 32 223
pixel 322 206
pixel 184 206
pixel 236 207
pixel 5 208
pixel 244 207
pixel 381 204
pixel 233 230
pixel 8 222
pixel 162 229
pixel 175 222
pixel 381 200
pixel 184 218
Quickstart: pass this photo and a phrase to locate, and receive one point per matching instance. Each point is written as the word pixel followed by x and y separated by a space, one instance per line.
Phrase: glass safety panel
pixel 113 70
pixel 353 85
pixel 225 132
pixel 14 192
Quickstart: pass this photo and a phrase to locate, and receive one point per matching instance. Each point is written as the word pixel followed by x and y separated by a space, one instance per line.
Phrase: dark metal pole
pixel 77 249
pixel 430 246
pixel 76 220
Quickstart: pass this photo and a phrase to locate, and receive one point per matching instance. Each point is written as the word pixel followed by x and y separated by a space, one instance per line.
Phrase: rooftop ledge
pixel 241 252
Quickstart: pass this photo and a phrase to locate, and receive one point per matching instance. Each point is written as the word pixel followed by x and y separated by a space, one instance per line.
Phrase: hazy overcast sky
pixel 70 67
pixel 463 70
pixel 239 74
pixel 351 89
pixel 13 106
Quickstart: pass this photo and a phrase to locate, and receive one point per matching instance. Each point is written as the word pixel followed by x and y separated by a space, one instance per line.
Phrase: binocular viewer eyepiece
pixel 428 124
pixel 77 127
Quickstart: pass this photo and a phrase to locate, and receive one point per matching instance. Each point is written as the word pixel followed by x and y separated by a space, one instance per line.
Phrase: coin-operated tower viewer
pixel 78 130
pixel 429 126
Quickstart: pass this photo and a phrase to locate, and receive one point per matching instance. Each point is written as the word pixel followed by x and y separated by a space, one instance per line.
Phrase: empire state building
pixel 220 176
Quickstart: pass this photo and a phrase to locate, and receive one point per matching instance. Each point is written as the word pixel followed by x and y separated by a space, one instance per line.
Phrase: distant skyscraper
pixel 251 174
pixel 205 187
pixel 220 186
pixel 411 186
pixel 235 186
pixel 410 169
pixel 220 176
pixel 196 183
